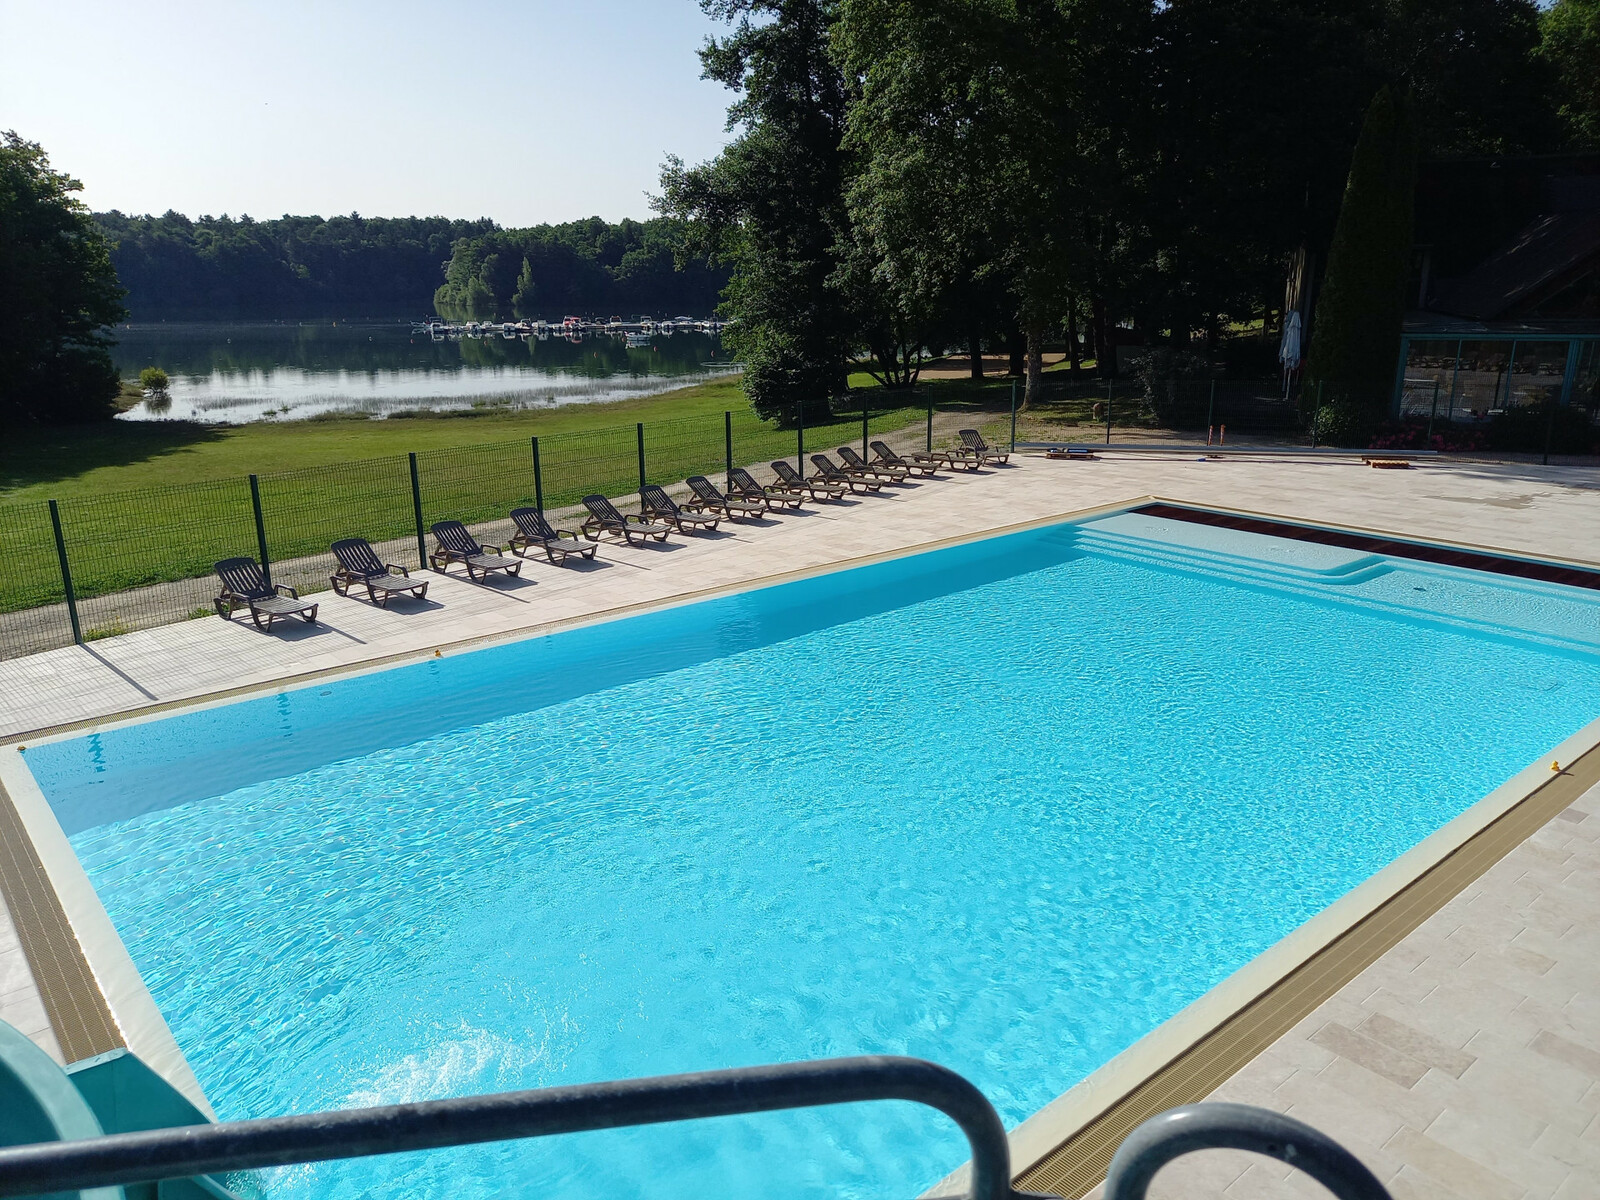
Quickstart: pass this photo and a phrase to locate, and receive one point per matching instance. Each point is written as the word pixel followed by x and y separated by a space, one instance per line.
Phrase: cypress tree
pixel 1355 336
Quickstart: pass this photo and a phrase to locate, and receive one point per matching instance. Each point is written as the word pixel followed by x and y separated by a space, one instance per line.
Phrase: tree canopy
pixel 1570 45
pixel 58 293
pixel 942 173
pixel 176 268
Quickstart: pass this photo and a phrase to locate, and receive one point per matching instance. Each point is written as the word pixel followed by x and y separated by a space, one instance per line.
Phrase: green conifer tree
pixel 1355 333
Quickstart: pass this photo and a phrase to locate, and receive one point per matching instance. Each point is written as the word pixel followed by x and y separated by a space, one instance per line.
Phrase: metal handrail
pixel 353 1133
pixel 1219 1126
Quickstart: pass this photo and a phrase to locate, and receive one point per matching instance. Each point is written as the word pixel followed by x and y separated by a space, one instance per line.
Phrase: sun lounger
pixel 771 495
pixel 707 497
pixel 922 464
pixel 452 543
pixel 855 464
pixel 830 472
pixel 244 585
pixel 816 488
pixel 534 531
pixel 972 442
pixel 360 566
pixel 664 508
pixel 605 519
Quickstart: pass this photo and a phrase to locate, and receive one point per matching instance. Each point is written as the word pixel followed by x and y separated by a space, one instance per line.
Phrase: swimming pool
pixel 1007 806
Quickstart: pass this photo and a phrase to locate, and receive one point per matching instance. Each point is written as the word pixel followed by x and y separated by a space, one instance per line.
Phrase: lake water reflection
pixel 235 373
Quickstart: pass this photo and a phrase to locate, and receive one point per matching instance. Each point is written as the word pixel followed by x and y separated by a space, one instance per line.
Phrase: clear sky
pixel 523 111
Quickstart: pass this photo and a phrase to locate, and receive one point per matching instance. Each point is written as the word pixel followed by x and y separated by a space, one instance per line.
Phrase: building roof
pixel 1542 259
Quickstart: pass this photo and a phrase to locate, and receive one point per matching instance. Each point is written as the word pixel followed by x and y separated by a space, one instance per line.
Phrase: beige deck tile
pixel 1411 1184
pixel 1385 1061
pixel 1563 1050
pixel 1466 1176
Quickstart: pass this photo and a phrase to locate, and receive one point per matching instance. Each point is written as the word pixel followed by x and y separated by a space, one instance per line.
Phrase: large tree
pixel 58 294
pixel 1355 333
pixel 997 144
pixel 772 203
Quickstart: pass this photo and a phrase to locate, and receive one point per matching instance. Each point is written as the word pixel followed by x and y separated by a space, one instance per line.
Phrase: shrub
pixel 154 379
pixel 1347 424
pixel 1170 378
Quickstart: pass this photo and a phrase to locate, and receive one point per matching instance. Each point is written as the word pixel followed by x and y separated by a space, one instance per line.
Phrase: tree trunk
pixel 1035 352
pixel 1104 355
pixel 1072 337
pixel 975 355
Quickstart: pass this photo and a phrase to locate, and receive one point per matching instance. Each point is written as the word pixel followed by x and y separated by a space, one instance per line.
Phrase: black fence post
pixel 1549 429
pixel 66 574
pixel 1433 411
pixel 642 479
pixel 800 438
pixel 1211 410
pixel 929 447
pixel 538 478
pixel 1111 387
pixel 416 508
pixel 727 445
pixel 863 427
pixel 261 529
pixel 1316 415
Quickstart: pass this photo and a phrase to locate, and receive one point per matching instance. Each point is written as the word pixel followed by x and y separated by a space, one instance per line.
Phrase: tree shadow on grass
pixel 48 455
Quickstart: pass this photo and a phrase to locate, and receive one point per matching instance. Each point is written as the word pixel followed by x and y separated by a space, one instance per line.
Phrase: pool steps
pixel 1571 624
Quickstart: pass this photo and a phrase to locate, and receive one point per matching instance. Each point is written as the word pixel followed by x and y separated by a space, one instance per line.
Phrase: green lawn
pixel 115 456
pixel 145 503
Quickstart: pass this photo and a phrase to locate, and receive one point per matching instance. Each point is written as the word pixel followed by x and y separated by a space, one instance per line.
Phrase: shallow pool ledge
pixel 1065 1147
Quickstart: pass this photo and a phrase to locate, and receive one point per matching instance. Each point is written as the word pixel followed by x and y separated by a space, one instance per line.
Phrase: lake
pixel 237 373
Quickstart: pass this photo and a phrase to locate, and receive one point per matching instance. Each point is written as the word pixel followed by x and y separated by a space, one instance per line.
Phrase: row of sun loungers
pixel 244 585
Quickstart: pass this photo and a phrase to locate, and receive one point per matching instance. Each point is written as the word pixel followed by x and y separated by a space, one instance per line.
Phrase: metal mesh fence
pixel 141 558
pixel 33 609
pixel 304 512
pixel 477 485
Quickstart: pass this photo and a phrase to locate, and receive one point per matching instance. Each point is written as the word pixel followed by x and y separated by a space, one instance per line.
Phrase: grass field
pixel 145 503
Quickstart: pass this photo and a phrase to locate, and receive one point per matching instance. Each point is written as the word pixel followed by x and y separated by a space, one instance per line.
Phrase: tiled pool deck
pixel 1464 1063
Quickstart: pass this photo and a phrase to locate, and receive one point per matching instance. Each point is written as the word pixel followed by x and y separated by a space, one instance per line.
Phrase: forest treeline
pixel 178 268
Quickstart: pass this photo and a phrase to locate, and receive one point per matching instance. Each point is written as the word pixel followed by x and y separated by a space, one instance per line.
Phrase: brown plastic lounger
pixel 830 472
pixel 558 544
pixel 771 495
pixel 244 585
pixel 972 442
pixel 854 463
pixel 605 519
pixel 708 498
pixel 360 566
pixel 452 543
pixel 815 487
pixel 662 507
pixel 922 464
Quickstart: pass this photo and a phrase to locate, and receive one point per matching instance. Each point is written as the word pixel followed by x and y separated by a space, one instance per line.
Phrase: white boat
pixel 636 341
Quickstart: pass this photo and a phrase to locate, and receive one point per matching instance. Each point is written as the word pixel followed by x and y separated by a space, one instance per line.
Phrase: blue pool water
pixel 1006 806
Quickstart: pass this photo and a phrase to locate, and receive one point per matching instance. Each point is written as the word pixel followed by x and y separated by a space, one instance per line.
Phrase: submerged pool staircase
pixel 1526 610
pixel 109 1128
